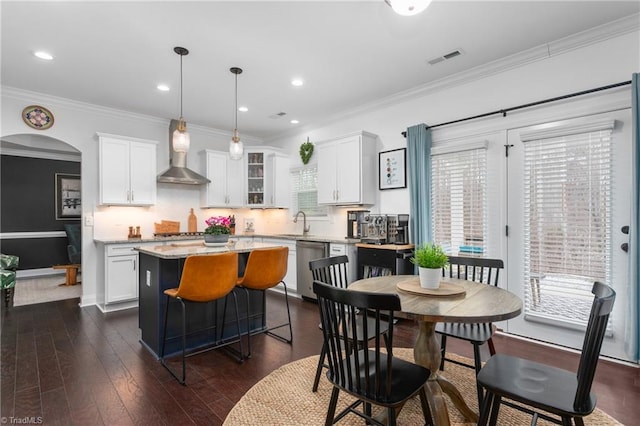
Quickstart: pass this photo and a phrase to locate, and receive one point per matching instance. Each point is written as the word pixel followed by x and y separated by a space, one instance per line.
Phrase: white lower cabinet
pixel 290 279
pixel 120 271
pixel 122 278
pixel 349 250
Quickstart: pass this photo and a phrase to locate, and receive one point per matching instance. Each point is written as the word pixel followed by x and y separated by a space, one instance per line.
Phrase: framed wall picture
pixel 392 169
pixel 68 196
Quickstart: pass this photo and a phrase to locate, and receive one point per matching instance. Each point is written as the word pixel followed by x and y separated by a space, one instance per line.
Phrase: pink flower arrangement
pixel 217 225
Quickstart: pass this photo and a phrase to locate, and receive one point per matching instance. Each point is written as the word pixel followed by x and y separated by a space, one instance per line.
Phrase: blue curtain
pixel 632 328
pixel 419 169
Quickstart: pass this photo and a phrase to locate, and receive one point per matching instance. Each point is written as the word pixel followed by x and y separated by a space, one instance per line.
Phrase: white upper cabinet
pixel 260 179
pixel 267 178
pixel 127 170
pixel 347 169
pixel 226 175
pixel 278 188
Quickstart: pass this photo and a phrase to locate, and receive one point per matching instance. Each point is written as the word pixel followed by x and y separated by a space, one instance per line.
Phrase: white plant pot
pixel 430 277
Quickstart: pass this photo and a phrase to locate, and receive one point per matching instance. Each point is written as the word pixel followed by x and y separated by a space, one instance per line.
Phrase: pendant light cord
pixel 181 87
pixel 236 111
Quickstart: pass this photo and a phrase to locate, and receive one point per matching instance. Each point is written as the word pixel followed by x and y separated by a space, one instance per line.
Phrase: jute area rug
pixel 29 291
pixel 284 397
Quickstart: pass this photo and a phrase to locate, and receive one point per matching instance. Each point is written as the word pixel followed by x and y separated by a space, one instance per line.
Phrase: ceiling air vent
pixel 278 115
pixel 442 58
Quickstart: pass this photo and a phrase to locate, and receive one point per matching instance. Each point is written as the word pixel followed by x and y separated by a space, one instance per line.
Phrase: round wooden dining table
pixel 477 304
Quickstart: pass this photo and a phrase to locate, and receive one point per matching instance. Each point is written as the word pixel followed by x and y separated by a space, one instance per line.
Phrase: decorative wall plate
pixel 37 117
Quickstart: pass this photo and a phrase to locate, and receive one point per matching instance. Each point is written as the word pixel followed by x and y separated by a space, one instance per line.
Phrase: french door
pixel 568 186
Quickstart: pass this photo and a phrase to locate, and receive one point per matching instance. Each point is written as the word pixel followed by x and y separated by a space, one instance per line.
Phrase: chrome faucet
pixel 305 227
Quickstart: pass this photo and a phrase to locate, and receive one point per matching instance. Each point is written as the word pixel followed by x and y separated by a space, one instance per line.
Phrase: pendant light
pixel 236 149
pixel 408 7
pixel 181 138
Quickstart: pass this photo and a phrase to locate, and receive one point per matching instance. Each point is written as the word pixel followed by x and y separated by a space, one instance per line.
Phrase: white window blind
pixel 458 200
pixel 567 196
pixel 304 191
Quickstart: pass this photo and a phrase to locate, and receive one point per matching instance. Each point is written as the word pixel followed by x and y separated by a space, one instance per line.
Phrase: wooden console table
pixel 71 273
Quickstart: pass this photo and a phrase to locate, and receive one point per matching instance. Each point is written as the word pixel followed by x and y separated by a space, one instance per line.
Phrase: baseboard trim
pixel 564 348
pixel 41 272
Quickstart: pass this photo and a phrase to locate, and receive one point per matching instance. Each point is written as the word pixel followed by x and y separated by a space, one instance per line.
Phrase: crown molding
pixel 561 46
pixel 30 96
pixel 597 34
pixel 36 97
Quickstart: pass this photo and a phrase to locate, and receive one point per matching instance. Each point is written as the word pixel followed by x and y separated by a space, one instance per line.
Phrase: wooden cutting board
pixel 166 226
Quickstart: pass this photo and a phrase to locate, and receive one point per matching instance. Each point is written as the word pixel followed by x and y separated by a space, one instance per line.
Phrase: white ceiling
pixel 349 53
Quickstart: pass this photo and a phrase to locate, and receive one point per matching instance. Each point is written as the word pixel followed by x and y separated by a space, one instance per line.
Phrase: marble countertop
pixel 179 250
pixel 239 237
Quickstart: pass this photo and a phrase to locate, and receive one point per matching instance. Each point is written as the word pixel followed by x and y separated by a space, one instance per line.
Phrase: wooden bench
pixel 71 273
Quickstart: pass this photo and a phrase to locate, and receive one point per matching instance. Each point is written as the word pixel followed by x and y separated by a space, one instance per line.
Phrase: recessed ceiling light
pixel 44 55
pixel 163 87
pixel 294 122
pixel 243 109
pixel 297 82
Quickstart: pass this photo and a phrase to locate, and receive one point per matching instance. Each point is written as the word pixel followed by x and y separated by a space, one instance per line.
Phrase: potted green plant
pixel 430 258
pixel 217 230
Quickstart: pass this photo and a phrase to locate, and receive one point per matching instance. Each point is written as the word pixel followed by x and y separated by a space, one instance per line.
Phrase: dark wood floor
pixel 69 365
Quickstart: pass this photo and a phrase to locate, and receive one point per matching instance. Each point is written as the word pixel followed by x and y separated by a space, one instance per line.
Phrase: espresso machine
pixel 374 230
pixel 398 229
pixel 355 223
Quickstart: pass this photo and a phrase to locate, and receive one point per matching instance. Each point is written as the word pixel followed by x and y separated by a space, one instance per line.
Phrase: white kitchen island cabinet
pixel 347 169
pixel 226 188
pixel 127 170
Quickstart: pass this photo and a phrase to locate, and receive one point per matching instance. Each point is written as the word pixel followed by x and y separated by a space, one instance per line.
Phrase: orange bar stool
pixel 204 279
pixel 266 269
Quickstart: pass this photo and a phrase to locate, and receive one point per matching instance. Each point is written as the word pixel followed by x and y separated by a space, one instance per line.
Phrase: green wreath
pixel 306 151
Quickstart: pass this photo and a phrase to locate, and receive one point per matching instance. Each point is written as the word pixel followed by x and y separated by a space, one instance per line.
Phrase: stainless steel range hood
pixel 178 171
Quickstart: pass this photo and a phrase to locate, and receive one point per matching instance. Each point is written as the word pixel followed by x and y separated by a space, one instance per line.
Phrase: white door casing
pixel 530 325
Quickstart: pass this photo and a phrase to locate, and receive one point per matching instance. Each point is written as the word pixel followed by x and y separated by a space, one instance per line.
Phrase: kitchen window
pixel 304 192
pixel 459 198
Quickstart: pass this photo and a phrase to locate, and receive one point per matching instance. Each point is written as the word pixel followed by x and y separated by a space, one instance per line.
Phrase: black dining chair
pixel 371 375
pixel 476 269
pixel 334 271
pixel 542 387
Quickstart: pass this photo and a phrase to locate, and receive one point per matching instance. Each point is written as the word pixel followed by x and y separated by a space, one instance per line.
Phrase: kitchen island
pixel 161 268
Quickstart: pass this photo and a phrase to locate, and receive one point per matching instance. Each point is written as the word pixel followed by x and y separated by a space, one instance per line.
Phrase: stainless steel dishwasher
pixel 305 252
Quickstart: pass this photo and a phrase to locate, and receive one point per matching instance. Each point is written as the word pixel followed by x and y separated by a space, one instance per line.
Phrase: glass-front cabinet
pixel 255 178
pixel 259 180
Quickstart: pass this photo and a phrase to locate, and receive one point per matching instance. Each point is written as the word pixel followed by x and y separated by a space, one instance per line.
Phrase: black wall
pixel 28 204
